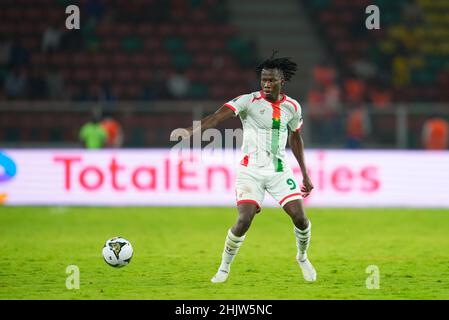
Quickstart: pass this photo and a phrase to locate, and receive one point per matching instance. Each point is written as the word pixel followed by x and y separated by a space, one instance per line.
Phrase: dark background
pixel 156 65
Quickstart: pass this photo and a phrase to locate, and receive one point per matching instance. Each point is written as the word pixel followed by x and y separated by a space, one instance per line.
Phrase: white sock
pixel 231 248
pixel 303 241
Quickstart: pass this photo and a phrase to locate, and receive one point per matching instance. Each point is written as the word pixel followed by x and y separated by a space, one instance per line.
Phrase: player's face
pixel 271 81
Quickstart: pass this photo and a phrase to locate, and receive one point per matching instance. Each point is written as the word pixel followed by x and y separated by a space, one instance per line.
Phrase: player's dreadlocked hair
pixel 287 66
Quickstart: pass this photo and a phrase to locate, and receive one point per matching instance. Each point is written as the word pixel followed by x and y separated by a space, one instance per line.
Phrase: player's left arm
pixel 297 144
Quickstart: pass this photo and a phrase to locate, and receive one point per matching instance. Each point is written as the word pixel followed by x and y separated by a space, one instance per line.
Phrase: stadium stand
pixel 124 51
pixel 148 51
pixel 407 54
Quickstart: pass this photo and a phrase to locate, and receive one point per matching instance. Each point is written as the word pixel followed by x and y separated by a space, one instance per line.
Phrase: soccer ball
pixel 117 252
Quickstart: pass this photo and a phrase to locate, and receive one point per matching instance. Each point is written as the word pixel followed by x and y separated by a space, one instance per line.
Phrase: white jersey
pixel 265 128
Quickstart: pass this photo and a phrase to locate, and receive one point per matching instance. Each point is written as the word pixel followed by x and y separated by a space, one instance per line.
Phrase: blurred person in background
pixel 51 39
pixel 92 134
pixel 114 132
pixel 412 13
pixel 379 94
pixel 95 10
pixel 37 87
pixel 55 83
pixel 324 103
pixel 16 83
pixel 19 56
pixel 178 85
pixel 435 134
pixel 357 127
pixel 5 50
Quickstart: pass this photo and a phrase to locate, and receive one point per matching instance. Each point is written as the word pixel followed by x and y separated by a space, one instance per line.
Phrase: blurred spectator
pixel 95 10
pixel 157 88
pixel 19 55
pixel 37 86
pixel 324 104
pixel 354 90
pixel 148 93
pixel 412 13
pixel 178 85
pixel 314 102
pixel 400 72
pixel 114 132
pixel 324 74
pixel 364 69
pixel 106 96
pixel 16 83
pixel 380 97
pixel 92 133
pixel 5 51
pixel 51 39
pixel 357 127
pixel 82 94
pixel 55 84
pixel 435 134
pixel 218 61
pixel 72 41
pixel 332 106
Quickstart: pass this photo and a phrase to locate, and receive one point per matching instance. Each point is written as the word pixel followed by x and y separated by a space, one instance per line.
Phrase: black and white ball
pixel 117 252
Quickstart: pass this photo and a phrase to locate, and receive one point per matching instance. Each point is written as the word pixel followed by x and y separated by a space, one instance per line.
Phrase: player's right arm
pixel 228 110
pixel 211 121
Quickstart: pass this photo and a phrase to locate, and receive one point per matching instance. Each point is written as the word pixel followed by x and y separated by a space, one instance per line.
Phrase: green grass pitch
pixel 177 251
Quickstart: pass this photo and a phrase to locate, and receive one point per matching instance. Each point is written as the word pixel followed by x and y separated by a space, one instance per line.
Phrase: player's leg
pixel 302 226
pixel 303 233
pixel 249 195
pixel 284 188
pixel 234 240
pixel 247 210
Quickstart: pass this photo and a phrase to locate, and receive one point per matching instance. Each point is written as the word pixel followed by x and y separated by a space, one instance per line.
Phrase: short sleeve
pixel 239 104
pixel 295 124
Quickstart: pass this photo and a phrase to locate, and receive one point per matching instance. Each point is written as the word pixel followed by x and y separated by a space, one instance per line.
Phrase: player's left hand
pixel 307 186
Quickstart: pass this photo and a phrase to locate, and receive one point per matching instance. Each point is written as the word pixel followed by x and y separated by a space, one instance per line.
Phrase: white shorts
pixel 252 182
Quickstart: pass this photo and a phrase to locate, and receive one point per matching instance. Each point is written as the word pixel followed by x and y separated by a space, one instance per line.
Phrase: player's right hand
pixel 180 134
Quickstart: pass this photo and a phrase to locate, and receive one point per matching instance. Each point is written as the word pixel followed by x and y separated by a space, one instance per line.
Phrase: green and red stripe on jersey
pixel 275 135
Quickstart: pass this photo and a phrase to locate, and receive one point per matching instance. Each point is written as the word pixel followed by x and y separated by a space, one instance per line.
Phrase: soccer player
pixel 269 117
